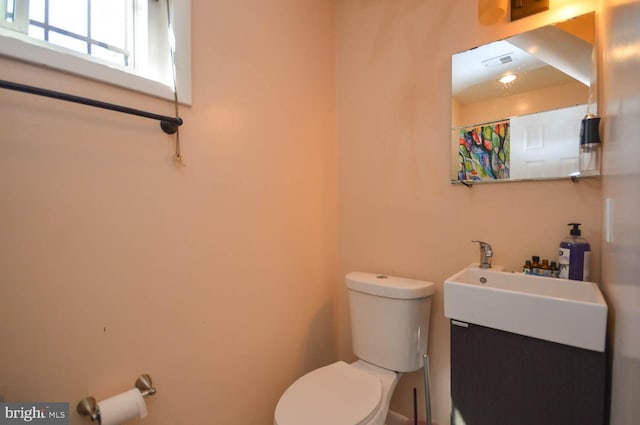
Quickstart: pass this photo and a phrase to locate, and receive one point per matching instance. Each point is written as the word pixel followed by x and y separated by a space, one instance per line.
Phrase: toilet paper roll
pixel 122 407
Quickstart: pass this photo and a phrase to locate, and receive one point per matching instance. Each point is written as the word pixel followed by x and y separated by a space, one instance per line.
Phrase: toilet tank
pixel 389 319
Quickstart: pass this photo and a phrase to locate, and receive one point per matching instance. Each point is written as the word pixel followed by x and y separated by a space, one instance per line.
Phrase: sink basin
pixel 559 310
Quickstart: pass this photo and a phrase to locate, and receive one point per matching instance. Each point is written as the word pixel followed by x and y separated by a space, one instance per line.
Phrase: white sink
pixel 559 310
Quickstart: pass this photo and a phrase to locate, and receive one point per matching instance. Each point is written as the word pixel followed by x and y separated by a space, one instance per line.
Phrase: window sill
pixel 28 50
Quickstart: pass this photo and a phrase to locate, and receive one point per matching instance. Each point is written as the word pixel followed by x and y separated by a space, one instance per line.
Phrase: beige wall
pixel 549 98
pixel 217 279
pixel 398 212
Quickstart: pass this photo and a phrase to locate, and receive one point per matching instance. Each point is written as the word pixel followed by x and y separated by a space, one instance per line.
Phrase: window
pixel 123 42
pixel 99 28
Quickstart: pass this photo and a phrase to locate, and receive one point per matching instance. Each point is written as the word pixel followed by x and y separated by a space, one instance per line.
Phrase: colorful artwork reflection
pixel 483 152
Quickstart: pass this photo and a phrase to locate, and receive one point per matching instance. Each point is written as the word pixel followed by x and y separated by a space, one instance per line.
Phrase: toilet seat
pixel 338 394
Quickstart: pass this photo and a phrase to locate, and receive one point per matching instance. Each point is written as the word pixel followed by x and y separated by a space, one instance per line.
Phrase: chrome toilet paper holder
pixel 88 406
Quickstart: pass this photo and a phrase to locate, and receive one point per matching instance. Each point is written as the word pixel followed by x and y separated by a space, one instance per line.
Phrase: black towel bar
pixel 168 124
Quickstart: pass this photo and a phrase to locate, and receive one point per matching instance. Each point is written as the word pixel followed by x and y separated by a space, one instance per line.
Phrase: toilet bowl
pixel 390 328
pixel 339 394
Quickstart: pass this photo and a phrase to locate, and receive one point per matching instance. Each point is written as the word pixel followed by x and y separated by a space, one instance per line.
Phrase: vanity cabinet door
pixel 500 378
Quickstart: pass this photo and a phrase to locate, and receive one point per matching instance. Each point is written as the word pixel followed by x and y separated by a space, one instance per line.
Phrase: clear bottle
pixel 590 146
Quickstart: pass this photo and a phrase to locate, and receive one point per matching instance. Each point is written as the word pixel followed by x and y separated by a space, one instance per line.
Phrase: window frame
pixel 21 47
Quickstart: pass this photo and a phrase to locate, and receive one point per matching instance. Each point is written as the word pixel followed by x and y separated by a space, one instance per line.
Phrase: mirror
pixel 528 127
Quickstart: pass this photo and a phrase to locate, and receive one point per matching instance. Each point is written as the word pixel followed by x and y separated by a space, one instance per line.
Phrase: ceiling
pixel 547 56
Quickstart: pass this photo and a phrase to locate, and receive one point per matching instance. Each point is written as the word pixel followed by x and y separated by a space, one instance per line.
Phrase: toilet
pixel 390 329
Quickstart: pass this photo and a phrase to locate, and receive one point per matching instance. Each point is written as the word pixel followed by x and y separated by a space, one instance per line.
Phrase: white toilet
pixel 390 329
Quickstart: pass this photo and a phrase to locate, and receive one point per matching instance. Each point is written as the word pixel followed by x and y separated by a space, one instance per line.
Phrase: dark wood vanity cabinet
pixel 501 378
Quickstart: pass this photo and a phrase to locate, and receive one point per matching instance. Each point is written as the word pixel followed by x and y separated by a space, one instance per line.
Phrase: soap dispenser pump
pixel 574 255
pixel 589 160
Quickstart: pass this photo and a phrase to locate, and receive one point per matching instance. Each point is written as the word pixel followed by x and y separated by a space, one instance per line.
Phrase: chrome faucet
pixel 486 253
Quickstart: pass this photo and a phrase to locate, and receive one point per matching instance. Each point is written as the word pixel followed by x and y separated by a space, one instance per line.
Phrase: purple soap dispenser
pixel 574 255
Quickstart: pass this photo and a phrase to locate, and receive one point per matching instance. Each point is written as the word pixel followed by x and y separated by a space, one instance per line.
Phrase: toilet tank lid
pixel 389 286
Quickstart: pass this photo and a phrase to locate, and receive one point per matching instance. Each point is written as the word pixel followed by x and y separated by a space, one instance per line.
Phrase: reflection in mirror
pixel 517 104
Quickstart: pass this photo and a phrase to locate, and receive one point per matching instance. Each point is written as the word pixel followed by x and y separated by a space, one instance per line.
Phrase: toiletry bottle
pixel 535 265
pixel 526 269
pixel 589 160
pixel 574 255
pixel 555 271
pixel 545 269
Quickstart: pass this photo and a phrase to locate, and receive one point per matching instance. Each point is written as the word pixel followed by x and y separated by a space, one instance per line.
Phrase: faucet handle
pixel 484 245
